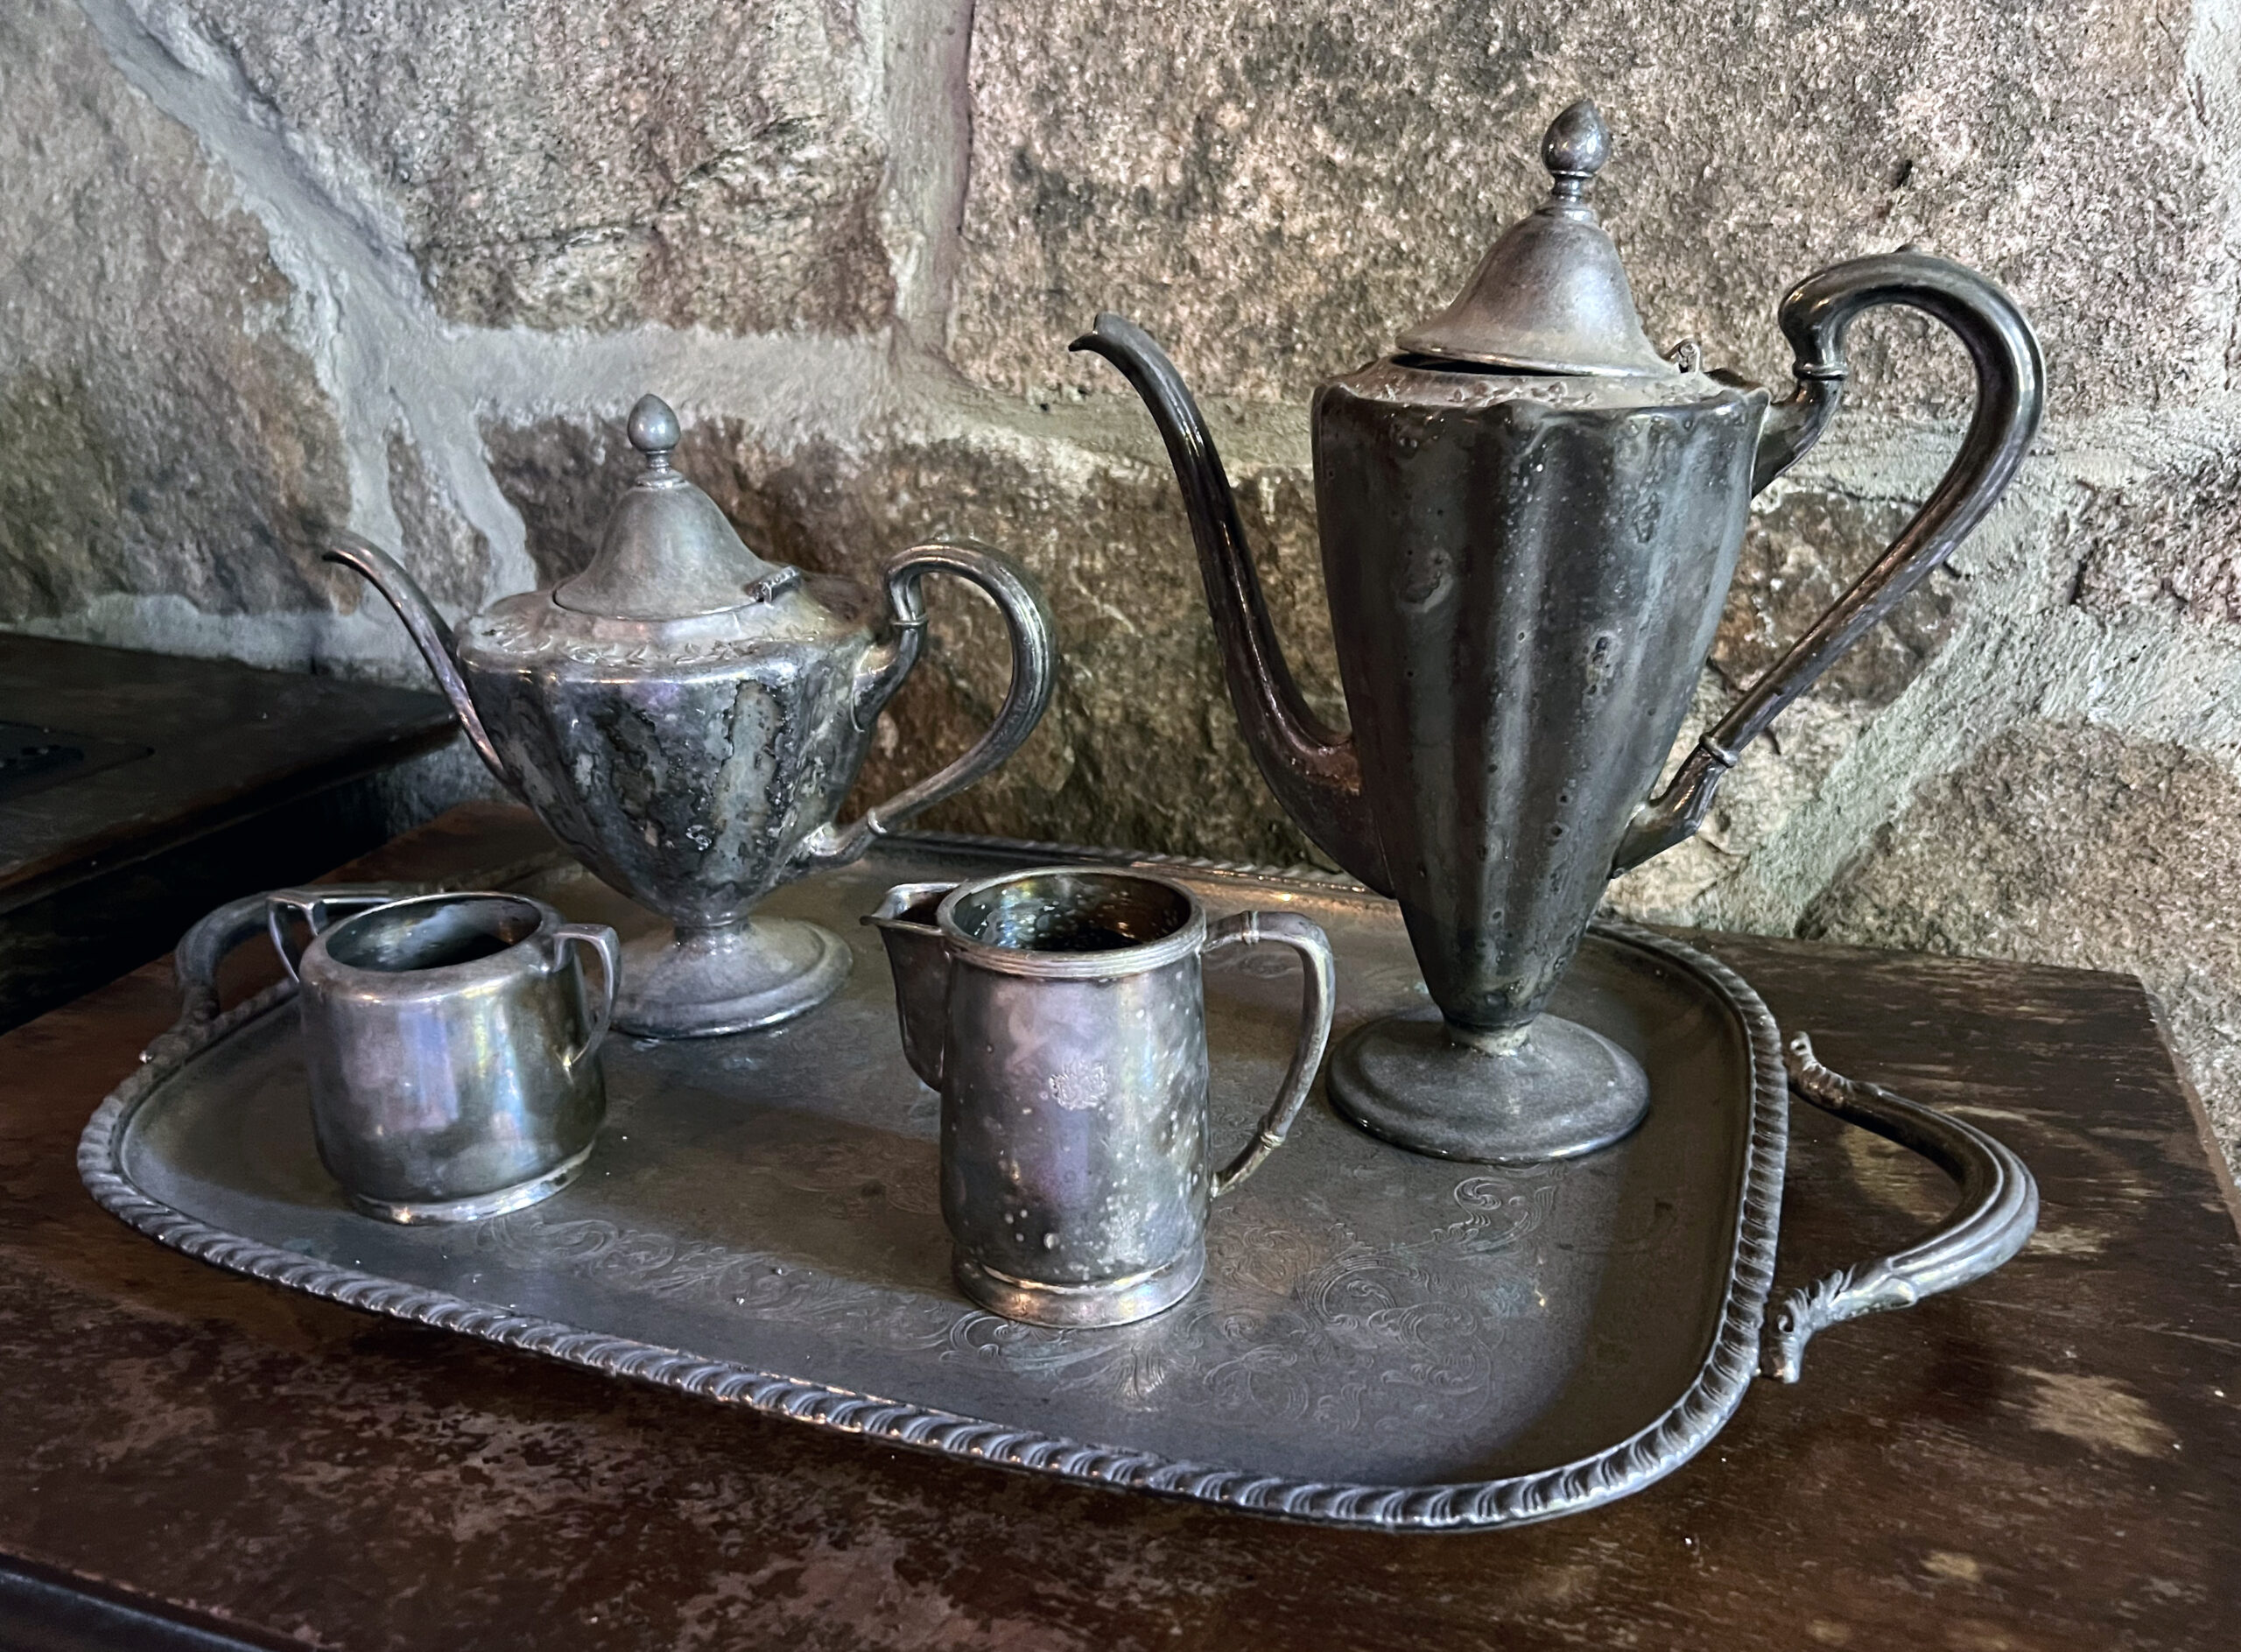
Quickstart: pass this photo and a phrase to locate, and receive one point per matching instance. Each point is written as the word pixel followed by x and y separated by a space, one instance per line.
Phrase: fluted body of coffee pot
pixel 1529 519
pixel 688 718
pixel 1525 598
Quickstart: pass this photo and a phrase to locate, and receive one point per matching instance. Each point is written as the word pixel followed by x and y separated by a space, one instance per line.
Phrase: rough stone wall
pixel 267 269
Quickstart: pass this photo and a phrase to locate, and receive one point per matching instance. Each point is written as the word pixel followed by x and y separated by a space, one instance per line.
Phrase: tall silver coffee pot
pixel 1529 519
pixel 688 718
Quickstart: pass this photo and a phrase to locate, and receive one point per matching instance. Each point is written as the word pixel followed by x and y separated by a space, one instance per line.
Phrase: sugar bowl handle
pixel 315 910
pixel 1034 670
pixel 2010 396
pixel 194 963
pixel 1998 1211
pixel 597 1012
pixel 1282 929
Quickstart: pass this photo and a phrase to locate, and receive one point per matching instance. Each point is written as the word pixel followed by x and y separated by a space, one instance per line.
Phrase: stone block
pixel 451 556
pixel 1275 189
pixel 2070 844
pixel 1805 547
pixel 587 163
pixel 160 433
pixel 2168 544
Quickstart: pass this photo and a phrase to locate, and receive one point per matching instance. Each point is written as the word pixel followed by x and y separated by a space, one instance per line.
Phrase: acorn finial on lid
pixel 1550 296
pixel 654 430
pixel 1574 149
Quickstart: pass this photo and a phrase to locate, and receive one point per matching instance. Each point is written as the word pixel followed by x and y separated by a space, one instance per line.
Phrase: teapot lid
pixel 1550 296
pixel 669 553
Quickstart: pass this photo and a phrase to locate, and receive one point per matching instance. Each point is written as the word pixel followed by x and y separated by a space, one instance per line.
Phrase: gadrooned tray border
pixel 1616 1471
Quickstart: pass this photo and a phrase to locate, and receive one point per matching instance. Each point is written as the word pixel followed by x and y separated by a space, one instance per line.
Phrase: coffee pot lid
pixel 1550 296
pixel 669 553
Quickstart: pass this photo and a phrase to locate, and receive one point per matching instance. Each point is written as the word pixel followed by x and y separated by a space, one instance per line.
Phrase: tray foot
pixel 1565 1090
pixel 479 1207
pixel 697 983
pixel 1108 1302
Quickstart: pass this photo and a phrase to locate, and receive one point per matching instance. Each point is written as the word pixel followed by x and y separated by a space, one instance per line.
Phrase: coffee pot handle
pixel 1034 670
pixel 1282 929
pixel 601 940
pixel 2010 396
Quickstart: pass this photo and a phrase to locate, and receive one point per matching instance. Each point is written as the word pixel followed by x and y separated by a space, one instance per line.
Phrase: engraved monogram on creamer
pixel 1078 1088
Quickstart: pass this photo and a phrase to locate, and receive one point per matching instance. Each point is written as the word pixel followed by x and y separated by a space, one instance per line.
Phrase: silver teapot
pixel 1529 519
pixel 688 719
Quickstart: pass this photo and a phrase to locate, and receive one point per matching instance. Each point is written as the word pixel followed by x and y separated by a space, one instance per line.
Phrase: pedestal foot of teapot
pixel 1565 1090
pixel 697 983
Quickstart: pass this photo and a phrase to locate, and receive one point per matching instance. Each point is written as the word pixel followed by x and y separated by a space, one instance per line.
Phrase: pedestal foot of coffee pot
pixel 1563 1091
pixel 696 983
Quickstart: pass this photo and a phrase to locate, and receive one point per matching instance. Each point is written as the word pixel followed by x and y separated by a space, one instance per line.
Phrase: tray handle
pixel 194 965
pixel 1998 1213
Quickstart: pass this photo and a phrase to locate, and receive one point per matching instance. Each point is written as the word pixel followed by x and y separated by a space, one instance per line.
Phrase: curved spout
pixel 1312 769
pixel 427 629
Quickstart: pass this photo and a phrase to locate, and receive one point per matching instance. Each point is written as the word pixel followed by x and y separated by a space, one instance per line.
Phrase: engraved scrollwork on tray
pixel 1287 1331
pixel 758 1284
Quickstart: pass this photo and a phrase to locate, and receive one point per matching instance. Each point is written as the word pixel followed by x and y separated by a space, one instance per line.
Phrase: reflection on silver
pixel 450 1046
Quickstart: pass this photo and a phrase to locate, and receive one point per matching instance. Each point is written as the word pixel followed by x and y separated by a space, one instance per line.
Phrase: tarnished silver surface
pixel 1382 1340
pixel 1529 522
pixel 450 1044
pixel 688 719
pixel 1550 296
pixel 1060 1013
pixel 1998 1213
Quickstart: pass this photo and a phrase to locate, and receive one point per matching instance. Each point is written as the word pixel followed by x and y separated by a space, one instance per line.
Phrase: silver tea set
pixel 1529 519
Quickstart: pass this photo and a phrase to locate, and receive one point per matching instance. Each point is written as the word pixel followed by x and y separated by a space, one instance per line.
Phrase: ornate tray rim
pixel 1618 1470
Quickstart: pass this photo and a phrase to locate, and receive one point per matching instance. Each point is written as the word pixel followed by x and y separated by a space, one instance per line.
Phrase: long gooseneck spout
pixel 1312 769
pixel 426 627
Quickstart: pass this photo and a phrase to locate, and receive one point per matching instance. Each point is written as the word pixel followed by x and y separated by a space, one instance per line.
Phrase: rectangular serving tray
pixel 1382 1340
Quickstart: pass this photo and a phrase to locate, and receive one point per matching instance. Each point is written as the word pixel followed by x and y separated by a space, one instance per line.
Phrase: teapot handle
pixel 1034 669
pixel 2010 396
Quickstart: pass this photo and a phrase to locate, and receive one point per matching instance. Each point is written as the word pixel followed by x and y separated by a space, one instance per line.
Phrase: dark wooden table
pixel 139 791
pixel 2050 1459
